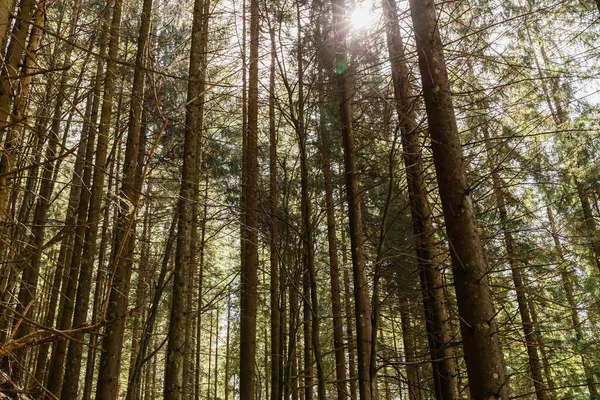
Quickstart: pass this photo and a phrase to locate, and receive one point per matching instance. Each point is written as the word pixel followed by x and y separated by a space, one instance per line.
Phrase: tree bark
pixel 567 282
pixel 184 259
pixel 483 354
pixel 437 321
pixel 412 368
pixel 361 289
pixel 8 132
pixel 249 268
pixel 276 356
pixel 535 367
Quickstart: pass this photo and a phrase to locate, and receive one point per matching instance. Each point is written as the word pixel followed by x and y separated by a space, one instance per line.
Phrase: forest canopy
pixel 293 199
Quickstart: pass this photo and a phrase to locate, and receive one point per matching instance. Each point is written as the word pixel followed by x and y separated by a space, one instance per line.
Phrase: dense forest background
pixel 292 199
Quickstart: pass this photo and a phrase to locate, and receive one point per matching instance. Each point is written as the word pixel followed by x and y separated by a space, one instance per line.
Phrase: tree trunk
pixel 184 259
pixel 8 132
pixel 72 260
pixel 334 269
pixel 307 228
pixel 249 268
pixel 5 10
pixel 437 321
pixel 348 312
pixel 408 339
pixel 535 366
pixel 483 354
pixel 361 289
pixel 276 357
pixel 567 282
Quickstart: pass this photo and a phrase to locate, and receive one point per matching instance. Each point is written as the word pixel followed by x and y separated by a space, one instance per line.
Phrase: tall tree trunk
pixel 535 366
pixel 276 356
pixel 227 341
pixel 30 274
pixel 147 332
pixel 361 289
pixel 119 271
pixel 8 132
pixel 437 321
pixel 348 312
pixel 249 268
pixel 408 339
pixel 105 238
pixel 306 325
pixel 483 354
pixel 334 269
pixel 71 214
pixel 590 223
pixel 541 347
pixel 72 260
pixel 5 10
pixel 184 259
pixel 567 282
pixel 307 228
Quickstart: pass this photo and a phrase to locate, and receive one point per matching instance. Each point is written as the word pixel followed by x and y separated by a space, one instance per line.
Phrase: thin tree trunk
pixel 72 260
pixel 71 214
pixel 307 332
pixel 348 311
pixel 543 354
pixel 483 354
pixel 227 337
pixel 216 369
pixel 361 289
pixel 8 133
pixel 249 274
pixel 437 321
pixel 535 366
pixel 208 371
pixel 105 238
pixel 5 10
pixel 276 389
pixel 567 282
pixel 334 269
pixel 147 332
pixel 311 306
pixel 412 368
pixel 30 271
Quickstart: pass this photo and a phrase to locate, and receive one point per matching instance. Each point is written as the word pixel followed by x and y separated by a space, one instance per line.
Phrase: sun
pixel 362 16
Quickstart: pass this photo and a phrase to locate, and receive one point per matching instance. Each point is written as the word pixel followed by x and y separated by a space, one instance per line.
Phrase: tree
pixel 486 374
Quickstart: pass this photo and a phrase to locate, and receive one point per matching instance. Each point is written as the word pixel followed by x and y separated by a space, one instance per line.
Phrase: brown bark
pixel 349 324
pixel 71 214
pixel 568 282
pixel 437 321
pixel 276 356
pixel 184 259
pixel 307 228
pixel 119 270
pixel 8 87
pixel 147 332
pixel 30 271
pixel 5 10
pixel 72 260
pixel 361 290
pixel 412 368
pixel 249 268
pixel 535 367
pixel 483 354
pixel 119 273
pixel 306 326
pixel 227 341
pixel 334 269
